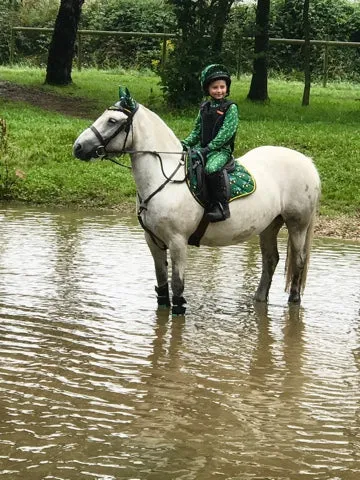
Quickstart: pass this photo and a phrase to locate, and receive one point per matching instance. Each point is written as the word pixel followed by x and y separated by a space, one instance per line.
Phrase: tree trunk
pixel 221 12
pixel 258 88
pixel 61 51
pixel 307 68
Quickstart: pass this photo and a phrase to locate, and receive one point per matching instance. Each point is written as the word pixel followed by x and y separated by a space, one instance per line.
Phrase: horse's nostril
pixel 77 147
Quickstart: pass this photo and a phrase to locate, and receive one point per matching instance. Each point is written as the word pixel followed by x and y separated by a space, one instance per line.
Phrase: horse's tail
pixel 290 256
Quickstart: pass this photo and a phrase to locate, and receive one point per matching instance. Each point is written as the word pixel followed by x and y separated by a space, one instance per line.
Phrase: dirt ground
pixel 339 227
pixel 73 106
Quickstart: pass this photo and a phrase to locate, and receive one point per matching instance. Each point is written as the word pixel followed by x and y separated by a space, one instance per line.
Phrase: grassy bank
pixel 40 141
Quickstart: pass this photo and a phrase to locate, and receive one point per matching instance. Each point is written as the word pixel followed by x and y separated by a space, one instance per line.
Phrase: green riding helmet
pixel 213 72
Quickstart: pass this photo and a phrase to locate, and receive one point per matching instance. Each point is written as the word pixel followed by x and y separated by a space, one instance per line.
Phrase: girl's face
pixel 218 89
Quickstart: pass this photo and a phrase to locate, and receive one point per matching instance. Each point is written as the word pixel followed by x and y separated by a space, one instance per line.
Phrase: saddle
pixel 241 182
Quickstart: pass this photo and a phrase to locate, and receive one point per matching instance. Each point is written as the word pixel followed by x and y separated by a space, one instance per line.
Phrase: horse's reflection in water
pixel 277 364
pixel 198 385
pixel 292 339
pixel 164 350
pixel 287 192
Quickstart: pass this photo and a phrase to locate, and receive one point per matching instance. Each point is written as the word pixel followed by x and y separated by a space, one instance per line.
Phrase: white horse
pixel 287 191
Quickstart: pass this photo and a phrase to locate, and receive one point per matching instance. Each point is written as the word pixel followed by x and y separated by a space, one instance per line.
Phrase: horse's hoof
pixel 178 310
pixel 178 307
pixel 163 297
pixel 294 298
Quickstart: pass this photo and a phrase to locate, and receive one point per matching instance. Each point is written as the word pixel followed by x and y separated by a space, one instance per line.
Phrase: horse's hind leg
pixel 178 249
pixel 270 258
pixel 297 260
pixel 161 269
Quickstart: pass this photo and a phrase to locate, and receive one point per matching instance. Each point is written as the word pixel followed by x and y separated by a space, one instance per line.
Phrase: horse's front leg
pixel 178 250
pixel 161 269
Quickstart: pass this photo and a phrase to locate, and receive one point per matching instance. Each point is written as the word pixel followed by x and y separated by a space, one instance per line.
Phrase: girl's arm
pixel 227 130
pixel 194 136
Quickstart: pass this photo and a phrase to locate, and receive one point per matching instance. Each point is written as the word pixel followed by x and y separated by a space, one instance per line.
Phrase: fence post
pixel 79 56
pixel 325 64
pixel 163 53
pixel 12 46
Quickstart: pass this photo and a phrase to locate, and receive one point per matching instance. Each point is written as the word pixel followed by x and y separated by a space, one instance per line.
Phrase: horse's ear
pixel 122 92
pixel 126 100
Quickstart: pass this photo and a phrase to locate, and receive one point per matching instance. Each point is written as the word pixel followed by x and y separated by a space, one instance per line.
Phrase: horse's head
pixel 109 134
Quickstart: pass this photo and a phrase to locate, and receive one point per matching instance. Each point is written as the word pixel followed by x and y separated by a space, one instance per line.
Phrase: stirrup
pixel 219 213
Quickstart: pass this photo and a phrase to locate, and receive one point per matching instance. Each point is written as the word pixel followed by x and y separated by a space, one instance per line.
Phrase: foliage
pixel 30 47
pixel 102 52
pixel 126 16
pixel 236 49
pixel 8 176
pixel 6 17
pixel 201 26
pixel 329 20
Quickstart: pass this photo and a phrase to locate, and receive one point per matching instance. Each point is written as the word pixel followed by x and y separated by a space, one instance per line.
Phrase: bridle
pixel 103 153
pixel 101 150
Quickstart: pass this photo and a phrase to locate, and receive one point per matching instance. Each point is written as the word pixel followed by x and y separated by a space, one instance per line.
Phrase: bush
pixel 127 16
pixel 330 20
pixel 102 52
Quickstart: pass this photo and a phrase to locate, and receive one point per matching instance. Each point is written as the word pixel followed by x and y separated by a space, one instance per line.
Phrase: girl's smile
pixel 218 89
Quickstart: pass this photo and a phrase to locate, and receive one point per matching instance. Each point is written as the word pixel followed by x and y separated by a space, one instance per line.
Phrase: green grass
pixel 40 142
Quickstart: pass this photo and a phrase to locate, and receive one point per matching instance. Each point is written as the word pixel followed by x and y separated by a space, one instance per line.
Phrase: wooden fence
pixel 327 44
pixel 80 33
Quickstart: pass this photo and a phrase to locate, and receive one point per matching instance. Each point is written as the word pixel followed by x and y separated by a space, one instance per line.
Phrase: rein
pixel 103 153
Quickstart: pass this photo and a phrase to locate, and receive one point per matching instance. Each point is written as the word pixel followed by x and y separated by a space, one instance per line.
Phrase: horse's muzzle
pixel 80 153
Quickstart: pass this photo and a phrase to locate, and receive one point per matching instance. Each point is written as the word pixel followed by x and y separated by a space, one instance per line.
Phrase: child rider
pixel 213 138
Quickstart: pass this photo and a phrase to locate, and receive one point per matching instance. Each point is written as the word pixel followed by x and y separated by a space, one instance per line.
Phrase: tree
pixel 258 88
pixel 307 68
pixel 201 27
pixel 61 51
pixel 221 10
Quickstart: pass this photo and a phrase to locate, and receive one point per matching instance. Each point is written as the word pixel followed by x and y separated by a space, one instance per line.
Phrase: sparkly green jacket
pixel 224 135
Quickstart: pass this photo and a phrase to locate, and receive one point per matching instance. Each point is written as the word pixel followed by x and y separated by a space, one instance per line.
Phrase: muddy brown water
pixel 95 384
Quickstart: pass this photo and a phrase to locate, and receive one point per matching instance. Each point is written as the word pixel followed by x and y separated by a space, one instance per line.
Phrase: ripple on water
pixel 96 384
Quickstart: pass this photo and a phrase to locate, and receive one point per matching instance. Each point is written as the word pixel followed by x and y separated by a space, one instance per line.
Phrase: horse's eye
pixel 112 120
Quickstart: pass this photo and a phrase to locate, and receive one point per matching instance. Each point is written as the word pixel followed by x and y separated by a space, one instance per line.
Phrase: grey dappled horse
pixel 287 192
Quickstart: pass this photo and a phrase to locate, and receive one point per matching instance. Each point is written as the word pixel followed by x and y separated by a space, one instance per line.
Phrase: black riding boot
pixel 219 190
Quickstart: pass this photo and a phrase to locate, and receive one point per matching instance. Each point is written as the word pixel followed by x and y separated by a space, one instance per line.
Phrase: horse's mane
pixel 159 127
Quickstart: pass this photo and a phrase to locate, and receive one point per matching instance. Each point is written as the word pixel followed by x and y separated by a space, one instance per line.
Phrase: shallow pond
pixel 96 384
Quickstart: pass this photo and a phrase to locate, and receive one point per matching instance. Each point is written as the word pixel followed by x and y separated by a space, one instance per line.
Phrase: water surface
pixel 96 384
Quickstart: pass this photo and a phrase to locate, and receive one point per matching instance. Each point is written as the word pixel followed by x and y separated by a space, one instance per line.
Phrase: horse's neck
pixel 152 134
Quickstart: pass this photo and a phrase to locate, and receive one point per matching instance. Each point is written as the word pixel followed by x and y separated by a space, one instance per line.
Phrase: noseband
pixel 101 150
